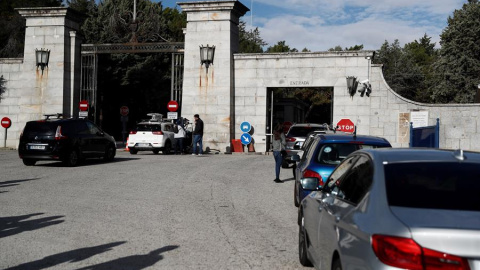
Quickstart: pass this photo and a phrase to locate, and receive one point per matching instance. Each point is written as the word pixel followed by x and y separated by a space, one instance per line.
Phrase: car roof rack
pixel 58 115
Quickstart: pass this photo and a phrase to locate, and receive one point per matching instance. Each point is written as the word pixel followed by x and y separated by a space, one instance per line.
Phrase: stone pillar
pixel 53 91
pixel 211 94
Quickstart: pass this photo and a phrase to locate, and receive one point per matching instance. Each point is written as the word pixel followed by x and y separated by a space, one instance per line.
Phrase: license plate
pixel 37 147
pixel 143 145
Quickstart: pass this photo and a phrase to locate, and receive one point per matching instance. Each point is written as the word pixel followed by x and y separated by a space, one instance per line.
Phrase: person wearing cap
pixel 197 136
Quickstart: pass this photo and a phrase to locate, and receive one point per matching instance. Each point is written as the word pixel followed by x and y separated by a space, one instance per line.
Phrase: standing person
pixel 197 135
pixel 278 144
pixel 179 136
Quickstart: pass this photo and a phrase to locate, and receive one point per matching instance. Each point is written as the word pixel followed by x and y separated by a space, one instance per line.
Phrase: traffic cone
pixel 126 146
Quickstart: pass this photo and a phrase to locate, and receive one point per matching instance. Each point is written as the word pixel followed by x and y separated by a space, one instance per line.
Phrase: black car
pixel 67 140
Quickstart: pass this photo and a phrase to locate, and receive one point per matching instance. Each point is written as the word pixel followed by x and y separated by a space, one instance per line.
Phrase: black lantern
pixel 352 85
pixel 42 57
pixel 206 55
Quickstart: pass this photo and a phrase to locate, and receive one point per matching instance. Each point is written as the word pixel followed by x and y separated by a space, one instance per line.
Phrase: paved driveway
pixel 147 211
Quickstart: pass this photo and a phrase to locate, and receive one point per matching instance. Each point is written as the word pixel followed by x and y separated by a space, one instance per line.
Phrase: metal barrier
pixel 425 136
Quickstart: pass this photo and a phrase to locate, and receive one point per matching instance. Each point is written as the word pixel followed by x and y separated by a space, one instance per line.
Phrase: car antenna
pixel 355 132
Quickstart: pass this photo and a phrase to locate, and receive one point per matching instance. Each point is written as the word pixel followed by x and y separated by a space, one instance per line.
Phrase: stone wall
pixel 30 93
pixel 377 115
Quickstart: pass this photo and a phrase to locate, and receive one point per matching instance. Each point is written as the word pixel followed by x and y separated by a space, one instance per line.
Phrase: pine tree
pixel 458 66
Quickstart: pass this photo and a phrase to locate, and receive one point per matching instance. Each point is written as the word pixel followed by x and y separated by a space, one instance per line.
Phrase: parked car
pixel 324 153
pixel 394 209
pixel 152 135
pixel 68 140
pixel 296 136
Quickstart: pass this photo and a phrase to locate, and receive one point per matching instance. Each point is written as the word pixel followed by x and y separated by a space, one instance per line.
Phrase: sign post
pixel 346 125
pixel 83 106
pixel 6 123
pixel 124 110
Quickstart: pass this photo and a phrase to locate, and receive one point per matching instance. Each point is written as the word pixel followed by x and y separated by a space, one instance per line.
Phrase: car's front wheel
pixel 109 153
pixel 295 195
pixel 302 245
pixel 29 162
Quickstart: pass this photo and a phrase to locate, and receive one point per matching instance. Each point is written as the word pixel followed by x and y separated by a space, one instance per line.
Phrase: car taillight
pixel 157 133
pixel 133 132
pixel 58 134
pixel 407 254
pixel 310 173
pixel 289 139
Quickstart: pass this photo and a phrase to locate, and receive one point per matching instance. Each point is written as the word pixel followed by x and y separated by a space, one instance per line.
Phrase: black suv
pixel 68 140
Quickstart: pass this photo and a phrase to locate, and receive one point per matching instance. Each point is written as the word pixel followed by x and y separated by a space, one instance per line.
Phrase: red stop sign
pixel 346 125
pixel 6 122
pixel 83 105
pixel 172 106
pixel 124 110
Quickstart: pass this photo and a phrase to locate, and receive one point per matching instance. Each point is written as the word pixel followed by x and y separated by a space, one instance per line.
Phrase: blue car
pixel 324 153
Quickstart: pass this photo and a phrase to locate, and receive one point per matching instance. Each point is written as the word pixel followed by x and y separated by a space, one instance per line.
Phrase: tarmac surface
pixel 147 211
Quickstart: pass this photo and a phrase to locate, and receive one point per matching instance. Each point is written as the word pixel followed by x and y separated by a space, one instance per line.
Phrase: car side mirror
pixel 310 183
pixel 295 158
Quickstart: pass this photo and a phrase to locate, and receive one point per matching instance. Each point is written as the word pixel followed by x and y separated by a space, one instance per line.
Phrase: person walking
pixel 179 136
pixel 278 145
pixel 197 136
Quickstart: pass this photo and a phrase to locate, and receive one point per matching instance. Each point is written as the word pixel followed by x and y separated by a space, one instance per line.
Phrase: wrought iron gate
pixel 89 70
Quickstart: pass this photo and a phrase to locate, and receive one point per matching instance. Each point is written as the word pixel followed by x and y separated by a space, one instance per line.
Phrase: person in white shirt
pixel 179 137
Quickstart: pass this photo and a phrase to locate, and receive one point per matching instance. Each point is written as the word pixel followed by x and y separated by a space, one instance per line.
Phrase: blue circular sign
pixel 246 138
pixel 245 126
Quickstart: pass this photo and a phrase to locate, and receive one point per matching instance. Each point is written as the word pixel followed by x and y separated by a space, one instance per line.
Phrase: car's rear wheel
pixel 29 162
pixel 167 148
pixel 133 151
pixel 109 153
pixel 72 159
pixel 302 245
pixel 156 151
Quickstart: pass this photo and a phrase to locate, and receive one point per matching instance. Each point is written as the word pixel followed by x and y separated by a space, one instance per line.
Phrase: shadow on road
pixel 69 256
pixel 12 183
pixel 86 162
pixel 134 262
pixel 17 224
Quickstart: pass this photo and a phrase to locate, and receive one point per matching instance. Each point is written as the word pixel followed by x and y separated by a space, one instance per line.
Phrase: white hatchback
pixel 151 135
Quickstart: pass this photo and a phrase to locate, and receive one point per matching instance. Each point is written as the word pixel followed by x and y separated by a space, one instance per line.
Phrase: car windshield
pixel 40 127
pixel 334 153
pixel 145 127
pixel 435 185
pixel 302 131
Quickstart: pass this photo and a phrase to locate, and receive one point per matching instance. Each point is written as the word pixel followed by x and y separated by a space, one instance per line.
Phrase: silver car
pixel 394 209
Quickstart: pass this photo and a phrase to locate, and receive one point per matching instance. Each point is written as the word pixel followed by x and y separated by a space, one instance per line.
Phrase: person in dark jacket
pixel 197 136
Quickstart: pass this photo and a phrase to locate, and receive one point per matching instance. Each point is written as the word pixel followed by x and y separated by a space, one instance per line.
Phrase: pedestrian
pixel 278 144
pixel 197 136
pixel 179 136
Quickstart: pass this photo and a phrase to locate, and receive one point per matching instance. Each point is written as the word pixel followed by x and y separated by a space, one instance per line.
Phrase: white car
pixel 152 135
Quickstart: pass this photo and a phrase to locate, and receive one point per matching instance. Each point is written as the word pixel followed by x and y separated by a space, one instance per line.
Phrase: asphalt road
pixel 147 211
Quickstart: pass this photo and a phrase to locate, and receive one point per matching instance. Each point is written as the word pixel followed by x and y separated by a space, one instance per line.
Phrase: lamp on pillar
pixel 206 55
pixel 352 85
pixel 42 57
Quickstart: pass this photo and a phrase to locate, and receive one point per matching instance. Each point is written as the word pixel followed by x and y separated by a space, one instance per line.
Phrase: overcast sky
pixel 322 24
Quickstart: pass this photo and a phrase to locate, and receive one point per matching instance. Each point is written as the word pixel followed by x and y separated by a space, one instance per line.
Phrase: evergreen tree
pixel 250 41
pixel 458 66
pixel 280 47
pixel 12 25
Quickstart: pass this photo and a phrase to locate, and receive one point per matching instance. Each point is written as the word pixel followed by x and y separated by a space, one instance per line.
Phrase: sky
pixel 319 25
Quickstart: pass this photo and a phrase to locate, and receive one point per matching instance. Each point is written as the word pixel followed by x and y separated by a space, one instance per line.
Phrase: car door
pixel 315 207
pixel 337 228
pixel 97 139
